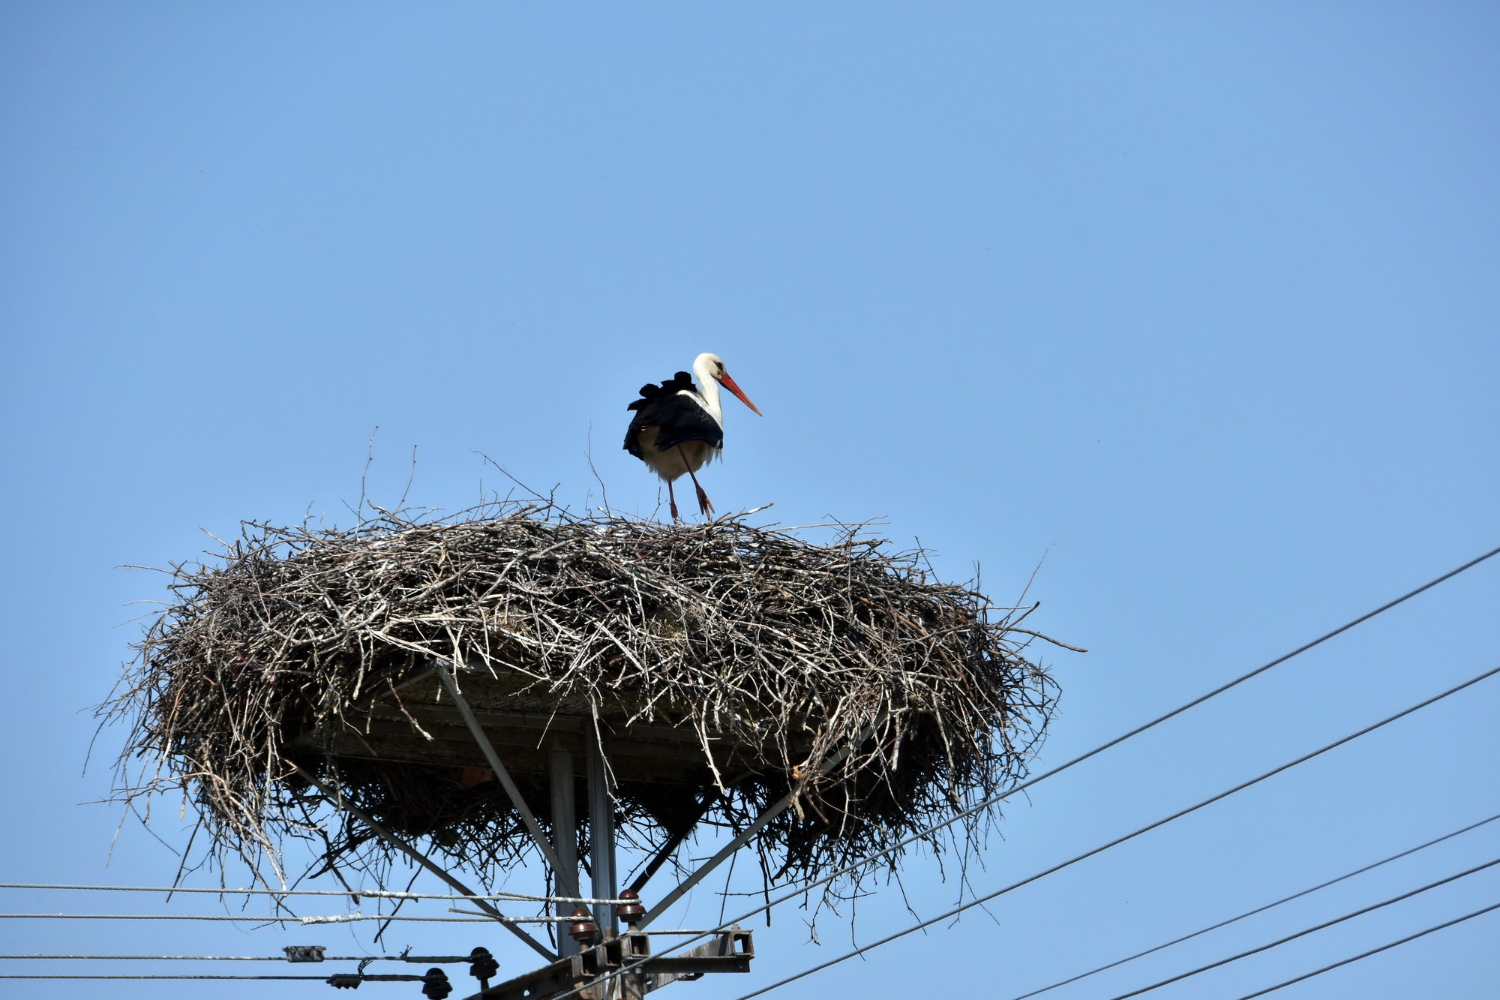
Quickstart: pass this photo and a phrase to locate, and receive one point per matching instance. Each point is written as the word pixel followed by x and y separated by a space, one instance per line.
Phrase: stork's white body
pixel 674 463
pixel 679 427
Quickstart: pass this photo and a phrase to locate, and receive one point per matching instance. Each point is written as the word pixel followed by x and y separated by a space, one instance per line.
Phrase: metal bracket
pixel 730 950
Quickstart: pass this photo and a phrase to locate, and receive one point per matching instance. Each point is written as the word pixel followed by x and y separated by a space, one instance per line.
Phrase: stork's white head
pixel 710 366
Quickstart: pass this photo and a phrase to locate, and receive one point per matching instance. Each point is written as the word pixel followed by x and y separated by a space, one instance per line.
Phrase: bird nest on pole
pixel 724 667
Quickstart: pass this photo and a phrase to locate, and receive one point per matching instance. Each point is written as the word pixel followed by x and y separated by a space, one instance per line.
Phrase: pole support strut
pixel 567 880
pixel 421 859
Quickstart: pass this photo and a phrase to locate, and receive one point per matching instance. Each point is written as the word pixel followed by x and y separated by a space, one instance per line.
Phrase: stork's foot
pixel 672 499
pixel 703 505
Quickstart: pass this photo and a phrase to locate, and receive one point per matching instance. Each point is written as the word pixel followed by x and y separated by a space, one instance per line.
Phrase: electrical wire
pixel 1372 951
pixel 1306 931
pixel 370 894
pixel 1260 909
pixel 514 920
pixel 1118 840
pixel 163 958
pixel 415 959
pixel 430 959
pixel 161 975
pixel 828 878
pixel 335 918
pixel 1029 783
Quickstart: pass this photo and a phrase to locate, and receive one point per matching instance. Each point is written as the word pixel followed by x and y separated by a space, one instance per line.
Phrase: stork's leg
pixel 704 506
pixel 672 499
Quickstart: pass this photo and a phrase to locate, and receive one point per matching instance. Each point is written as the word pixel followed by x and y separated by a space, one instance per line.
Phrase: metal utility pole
pixel 601 833
pixel 565 833
pixel 595 955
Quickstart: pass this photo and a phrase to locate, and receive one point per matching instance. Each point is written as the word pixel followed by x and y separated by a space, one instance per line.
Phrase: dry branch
pixel 766 652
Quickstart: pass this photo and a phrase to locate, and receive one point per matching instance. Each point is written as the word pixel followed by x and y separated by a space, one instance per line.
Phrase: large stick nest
pixel 740 663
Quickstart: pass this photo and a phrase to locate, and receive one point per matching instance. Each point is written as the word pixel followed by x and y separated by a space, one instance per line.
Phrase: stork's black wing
pixel 677 417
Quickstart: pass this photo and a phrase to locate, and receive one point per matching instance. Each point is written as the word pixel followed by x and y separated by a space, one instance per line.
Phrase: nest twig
pixel 773 654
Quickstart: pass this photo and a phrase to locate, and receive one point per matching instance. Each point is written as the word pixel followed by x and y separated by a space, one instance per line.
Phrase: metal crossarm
pixel 730 950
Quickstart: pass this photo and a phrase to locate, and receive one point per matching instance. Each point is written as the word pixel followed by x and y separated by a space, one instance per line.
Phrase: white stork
pixel 678 428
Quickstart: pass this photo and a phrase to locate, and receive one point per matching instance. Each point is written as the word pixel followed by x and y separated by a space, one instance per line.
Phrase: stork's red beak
pixel 728 383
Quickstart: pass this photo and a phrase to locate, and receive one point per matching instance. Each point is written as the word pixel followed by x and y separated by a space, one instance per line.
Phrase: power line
pixel 1023 786
pixel 415 959
pixel 368 894
pixel 1248 996
pixel 1306 931
pixel 1372 951
pixel 1120 840
pixel 126 975
pixel 335 918
pixel 985 804
pixel 1261 669
pixel 1261 909
pixel 515 920
pixel 164 958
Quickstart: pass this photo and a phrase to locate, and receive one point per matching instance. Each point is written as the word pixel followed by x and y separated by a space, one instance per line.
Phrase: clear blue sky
pixel 1198 300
